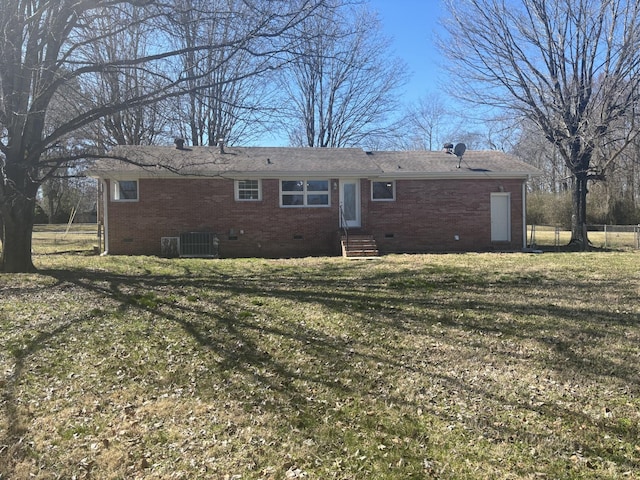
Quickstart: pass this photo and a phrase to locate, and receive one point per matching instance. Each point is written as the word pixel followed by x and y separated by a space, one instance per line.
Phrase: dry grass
pixel 546 237
pixel 436 366
pixel 74 238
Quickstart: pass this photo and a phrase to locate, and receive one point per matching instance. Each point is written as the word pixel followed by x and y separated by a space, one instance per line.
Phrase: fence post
pixel 606 239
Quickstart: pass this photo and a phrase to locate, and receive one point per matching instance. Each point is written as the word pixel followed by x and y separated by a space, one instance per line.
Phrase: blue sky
pixel 412 25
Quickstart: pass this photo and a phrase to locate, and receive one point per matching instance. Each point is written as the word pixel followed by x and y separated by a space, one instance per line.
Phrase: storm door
pixel 350 203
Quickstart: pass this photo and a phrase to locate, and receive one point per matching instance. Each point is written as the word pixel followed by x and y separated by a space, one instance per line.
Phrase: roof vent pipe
pixel 179 143
pixel 221 144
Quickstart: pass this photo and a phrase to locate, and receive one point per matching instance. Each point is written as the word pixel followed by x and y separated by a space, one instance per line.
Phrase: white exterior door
pixel 350 203
pixel 500 217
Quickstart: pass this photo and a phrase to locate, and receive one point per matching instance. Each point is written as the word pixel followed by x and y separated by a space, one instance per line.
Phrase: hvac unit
pixel 170 247
pixel 198 244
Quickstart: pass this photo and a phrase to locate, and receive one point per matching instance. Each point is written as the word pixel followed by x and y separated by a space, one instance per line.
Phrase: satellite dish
pixel 459 150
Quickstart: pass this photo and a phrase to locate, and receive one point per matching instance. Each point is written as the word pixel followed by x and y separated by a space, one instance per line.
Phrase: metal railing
pixel 343 226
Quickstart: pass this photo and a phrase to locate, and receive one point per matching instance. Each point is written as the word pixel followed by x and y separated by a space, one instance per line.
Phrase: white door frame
pixel 351 210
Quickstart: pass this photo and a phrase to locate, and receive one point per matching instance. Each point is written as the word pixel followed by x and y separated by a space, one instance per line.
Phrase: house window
pixel 383 191
pixel 304 193
pixel 125 190
pixel 248 190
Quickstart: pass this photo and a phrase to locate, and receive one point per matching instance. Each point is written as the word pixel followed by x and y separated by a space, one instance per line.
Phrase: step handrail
pixel 343 225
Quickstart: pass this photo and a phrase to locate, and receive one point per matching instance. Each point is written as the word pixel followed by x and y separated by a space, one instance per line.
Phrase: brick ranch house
pixel 289 202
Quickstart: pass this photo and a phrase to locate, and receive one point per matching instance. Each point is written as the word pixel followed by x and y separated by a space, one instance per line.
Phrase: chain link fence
pixel 617 237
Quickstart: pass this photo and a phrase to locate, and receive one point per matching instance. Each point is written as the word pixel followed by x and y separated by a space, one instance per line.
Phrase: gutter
pixel 526 249
pixel 105 216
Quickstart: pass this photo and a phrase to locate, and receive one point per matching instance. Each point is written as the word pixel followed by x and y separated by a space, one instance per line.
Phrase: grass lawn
pixel 75 238
pixel 472 366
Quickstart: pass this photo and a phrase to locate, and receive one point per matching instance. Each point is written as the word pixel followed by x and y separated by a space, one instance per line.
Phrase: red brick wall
pixel 424 217
pixel 427 215
pixel 168 207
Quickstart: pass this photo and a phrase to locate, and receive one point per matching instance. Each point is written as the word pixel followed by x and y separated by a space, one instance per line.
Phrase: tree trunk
pixel 16 241
pixel 579 214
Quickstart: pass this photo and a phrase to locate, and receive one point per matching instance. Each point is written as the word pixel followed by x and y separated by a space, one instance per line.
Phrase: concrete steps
pixel 359 246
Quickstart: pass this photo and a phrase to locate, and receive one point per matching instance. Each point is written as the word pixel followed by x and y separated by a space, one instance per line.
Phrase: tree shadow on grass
pixel 12 444
pixel 380 309
pixel 223 329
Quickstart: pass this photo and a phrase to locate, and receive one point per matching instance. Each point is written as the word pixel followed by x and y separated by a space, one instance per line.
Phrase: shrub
pixel 545 208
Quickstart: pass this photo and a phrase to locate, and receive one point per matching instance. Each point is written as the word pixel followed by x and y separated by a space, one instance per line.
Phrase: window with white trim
pixel 125 190
pixel 383 191
pixel 304 193
pixel 248 190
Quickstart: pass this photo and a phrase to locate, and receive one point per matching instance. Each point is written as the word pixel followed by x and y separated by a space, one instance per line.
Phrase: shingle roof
pixel 266 162
pixel 441 163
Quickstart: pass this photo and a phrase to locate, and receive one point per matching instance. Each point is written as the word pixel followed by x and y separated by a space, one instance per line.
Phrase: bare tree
pixel 568 66
pixel 426 124
pixel 431 122
pixel 341 89
pixel 224 98
pixel 139 124
pixel 532 146
pixel 619 195
pixel 64 196
pixel 46 46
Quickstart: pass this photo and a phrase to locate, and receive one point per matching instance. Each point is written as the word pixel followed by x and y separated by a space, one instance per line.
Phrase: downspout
pixel 105 216
pixel 524 213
